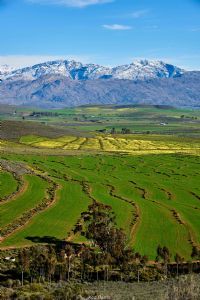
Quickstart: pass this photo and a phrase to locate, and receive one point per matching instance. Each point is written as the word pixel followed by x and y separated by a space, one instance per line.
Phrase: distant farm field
pixel 114 143
pixel 156 198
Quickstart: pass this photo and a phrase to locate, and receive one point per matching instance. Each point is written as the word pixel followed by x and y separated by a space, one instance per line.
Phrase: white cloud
pixel 20 61
pixel 117 27
pixel 138 14
pixel 73 3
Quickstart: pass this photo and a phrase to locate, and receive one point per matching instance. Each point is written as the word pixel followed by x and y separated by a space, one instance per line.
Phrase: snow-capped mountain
pixel 146 69
pixel 5 70
pixel 138 70
pixel 69 69
pixel 64 83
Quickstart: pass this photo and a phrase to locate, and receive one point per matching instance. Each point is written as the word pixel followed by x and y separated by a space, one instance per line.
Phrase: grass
pixel 33 195
pixel 56 221
pixel 139 119
pixel 122 209
pixel 8 184
pixel 157 184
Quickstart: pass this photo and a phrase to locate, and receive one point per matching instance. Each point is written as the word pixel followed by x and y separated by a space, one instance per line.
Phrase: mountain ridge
pixel 142 82
pixel 138 69
pixel 57 91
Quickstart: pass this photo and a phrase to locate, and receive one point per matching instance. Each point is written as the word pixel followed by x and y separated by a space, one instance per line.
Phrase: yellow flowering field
pixel 113 143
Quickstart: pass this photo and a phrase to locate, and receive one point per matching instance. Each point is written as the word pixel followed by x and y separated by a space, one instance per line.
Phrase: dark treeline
pixel 114 131
pixel 105 255
pixel 44 114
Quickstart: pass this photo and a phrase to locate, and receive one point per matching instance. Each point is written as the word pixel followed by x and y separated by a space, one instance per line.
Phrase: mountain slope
pixel 58 91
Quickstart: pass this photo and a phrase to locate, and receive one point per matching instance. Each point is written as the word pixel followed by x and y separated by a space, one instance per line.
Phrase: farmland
pixel 150 179
pixel 33 193
pixel 149 194
pixel 83 121
pixel 7 183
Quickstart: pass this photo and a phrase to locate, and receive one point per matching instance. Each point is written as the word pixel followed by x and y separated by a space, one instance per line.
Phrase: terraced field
pixel 8 184
pixel 32 195
pixel 156 198
pixel 112 143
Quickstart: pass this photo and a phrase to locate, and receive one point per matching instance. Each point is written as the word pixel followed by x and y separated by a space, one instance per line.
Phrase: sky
pixel 106 32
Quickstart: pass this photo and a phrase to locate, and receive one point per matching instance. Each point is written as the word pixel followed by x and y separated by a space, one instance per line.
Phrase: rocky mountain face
pixel 142 69
pixel 69 83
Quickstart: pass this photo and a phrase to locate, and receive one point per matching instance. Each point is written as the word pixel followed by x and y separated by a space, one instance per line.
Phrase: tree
pixel 137 261
pixel 39 258
pixel 62 264
pixel 179 260
pixel 159 253
pixel 23 263
pixel 113 130
pixel 69 253
pixel 86 258
pixel 126 262
pixel 108 260
pixel 163 253
pixel 125 131
pixel 166 255
pixel 103 232
pixel 51 263
pixel 195 253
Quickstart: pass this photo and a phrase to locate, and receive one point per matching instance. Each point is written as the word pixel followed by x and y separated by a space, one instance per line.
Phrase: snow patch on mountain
pixel 145 69
pixel 137 70
pixel 5 70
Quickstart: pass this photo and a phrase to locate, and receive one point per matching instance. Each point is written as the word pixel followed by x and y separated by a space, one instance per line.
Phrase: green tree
pixel 23 263
pixel 113 130
pixel 69 255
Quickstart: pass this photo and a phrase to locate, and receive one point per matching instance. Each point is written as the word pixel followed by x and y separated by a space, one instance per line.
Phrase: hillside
pixel 57 91
pixel 54 91
pixel 68 83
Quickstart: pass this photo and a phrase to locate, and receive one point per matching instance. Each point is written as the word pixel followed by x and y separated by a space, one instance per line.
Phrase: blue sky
pixel 100 31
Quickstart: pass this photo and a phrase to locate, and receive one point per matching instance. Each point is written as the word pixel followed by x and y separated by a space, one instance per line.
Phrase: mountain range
pixel 68 83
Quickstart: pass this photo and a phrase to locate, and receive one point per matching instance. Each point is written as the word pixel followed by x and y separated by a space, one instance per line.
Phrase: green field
pixel 55 221
pixel 151 180
pixel 8 184
pixel 33 194
pixel 164 188
pixel 87 119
